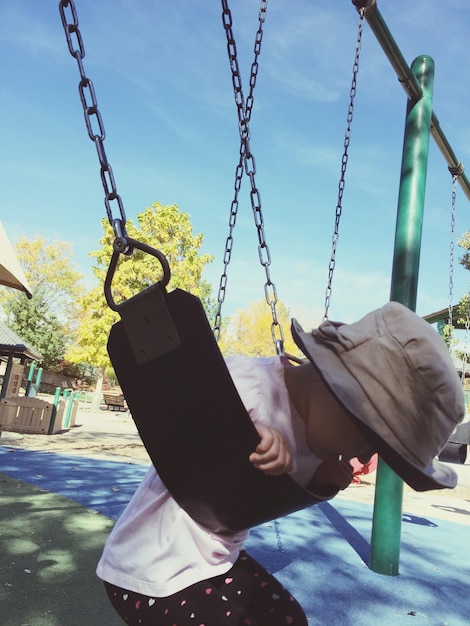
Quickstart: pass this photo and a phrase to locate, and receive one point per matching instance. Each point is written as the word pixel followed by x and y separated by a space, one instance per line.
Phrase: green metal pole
pixel 55 404
pixel 29 382
pixel 386 530
pixel 6 377
pixel 38 379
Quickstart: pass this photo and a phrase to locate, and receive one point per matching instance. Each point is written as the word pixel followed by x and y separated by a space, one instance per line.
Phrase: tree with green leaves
pixel 163 227
pixel 248 332
pixel 464 304
pixel 48 320
pixel 33 321
pixel 464 243
pixel 463 307
pixel 49 269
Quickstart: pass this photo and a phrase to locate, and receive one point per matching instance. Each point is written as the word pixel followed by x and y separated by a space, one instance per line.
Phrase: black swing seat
pixel 189 414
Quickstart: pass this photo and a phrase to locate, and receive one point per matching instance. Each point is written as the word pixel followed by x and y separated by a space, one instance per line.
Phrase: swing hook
pixel 365 5
pixel 146 319
pixel 127 243
pixel 457 170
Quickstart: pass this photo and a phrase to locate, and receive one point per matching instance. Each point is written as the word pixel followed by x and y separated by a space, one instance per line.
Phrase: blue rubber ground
pixel 319 554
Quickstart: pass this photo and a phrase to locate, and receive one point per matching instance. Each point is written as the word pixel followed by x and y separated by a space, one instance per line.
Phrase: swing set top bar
pixel 410 84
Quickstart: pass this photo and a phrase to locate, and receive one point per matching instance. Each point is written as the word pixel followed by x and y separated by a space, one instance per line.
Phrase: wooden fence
pixel 30 415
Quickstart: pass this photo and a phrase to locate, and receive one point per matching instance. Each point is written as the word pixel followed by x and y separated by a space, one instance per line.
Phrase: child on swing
pixel 384 384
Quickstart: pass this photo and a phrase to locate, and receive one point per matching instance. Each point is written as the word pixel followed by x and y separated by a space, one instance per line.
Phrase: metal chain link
pixel 247 159
pixel 94 124
pixel 239 169
pixel 456 171
pixel 344 164
pixel 277 530
pixel 451 261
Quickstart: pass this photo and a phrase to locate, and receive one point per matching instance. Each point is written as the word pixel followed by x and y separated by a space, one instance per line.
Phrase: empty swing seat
pixel 190 416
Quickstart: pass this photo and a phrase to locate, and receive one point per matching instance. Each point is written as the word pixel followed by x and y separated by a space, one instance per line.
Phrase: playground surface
pixel 60 495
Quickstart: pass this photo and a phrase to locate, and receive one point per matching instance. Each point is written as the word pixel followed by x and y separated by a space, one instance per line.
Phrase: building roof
pixel 11 344
pixel 443 316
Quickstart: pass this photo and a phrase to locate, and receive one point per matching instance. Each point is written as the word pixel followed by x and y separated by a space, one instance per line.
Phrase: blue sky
pixel 163 86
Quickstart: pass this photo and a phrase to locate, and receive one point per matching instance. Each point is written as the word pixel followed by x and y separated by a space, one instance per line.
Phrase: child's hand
pixel 271 455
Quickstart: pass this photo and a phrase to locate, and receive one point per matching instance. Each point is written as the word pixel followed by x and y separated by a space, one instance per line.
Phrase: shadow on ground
pixel 50 544
pixel 49 547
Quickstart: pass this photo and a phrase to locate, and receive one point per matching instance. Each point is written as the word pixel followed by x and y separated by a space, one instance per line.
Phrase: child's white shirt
pixel 156 549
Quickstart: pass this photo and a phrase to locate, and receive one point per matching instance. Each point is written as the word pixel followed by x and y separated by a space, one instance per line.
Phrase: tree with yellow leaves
pixel 163 227
pixel 248 332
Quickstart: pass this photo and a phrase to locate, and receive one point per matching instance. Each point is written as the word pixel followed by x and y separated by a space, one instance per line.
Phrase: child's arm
pixel 271 455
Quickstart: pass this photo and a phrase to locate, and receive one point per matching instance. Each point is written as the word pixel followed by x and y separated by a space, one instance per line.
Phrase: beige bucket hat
pixel 393 373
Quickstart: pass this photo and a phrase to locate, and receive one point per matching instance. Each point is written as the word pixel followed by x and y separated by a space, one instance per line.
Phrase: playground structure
pixel 421 124
pixel 30 415
pixel 456 450
pixel 36 416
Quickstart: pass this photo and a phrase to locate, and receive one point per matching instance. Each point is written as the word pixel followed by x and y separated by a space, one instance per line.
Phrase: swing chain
pixel 457 171
pixel 451 260
pixel 239 169
pixel 344 163
pixel 248 164
pixel 95 127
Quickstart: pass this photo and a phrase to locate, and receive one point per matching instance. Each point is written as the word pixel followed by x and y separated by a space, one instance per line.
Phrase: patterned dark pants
pixel 247 595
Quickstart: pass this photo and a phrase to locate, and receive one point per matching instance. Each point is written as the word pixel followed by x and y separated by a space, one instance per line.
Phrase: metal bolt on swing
pixel 121 239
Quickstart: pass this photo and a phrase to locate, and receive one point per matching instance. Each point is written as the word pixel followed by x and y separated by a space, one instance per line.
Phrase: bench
pixel 114 401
